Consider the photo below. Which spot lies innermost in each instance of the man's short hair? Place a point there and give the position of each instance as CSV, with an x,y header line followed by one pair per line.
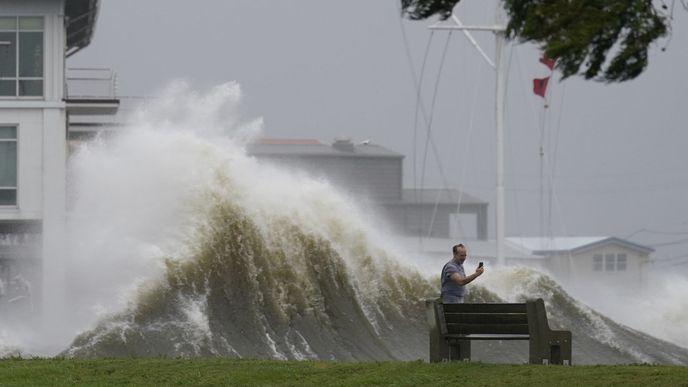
x,y
455,248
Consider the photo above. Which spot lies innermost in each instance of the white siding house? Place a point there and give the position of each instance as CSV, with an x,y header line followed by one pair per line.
x,y
598,260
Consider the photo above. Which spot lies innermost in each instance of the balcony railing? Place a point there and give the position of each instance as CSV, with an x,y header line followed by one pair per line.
x,y
91,91
87,83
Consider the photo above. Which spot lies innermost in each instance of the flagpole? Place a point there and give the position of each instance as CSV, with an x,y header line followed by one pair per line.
x,y
500,88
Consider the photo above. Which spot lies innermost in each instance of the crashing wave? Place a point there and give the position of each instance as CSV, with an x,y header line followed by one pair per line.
x,y
264,263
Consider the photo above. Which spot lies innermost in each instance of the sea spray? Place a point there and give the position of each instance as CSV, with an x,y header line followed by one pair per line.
x,y
262,302
182,245
162,192
597,338
657,306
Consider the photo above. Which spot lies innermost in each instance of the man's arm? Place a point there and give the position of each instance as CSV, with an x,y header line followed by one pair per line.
x,y
458,279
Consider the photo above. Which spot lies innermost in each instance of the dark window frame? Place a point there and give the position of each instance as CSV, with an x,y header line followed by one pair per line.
x,y
13,190
597,262
21,81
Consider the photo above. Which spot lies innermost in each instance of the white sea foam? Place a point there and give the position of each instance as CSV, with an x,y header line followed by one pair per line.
x,y
138,196
196,324
273,347
514,283
301,350
657,307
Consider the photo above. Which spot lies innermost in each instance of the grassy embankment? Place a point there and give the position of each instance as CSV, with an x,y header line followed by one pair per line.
x,y
185,372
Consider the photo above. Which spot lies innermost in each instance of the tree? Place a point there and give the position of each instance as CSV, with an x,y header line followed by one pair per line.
x,y
580,34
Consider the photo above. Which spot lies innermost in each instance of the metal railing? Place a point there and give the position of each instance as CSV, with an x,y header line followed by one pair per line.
x,y
90,83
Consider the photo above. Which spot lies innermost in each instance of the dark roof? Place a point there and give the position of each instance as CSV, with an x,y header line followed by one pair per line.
x,y
618,241
314,148
81,18
442,196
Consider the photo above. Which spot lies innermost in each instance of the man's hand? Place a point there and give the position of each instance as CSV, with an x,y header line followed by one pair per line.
x,y
457,279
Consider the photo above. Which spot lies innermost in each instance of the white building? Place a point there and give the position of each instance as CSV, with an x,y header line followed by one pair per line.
x,y
36,37
609,260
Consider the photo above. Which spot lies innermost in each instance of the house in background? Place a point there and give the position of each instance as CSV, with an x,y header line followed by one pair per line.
x,y
608,260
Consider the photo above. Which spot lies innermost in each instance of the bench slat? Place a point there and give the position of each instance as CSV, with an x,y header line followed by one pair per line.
x,y
486,318
484,308
499,329
487,337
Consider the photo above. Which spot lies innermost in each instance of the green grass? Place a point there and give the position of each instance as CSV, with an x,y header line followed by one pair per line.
x,y
219,372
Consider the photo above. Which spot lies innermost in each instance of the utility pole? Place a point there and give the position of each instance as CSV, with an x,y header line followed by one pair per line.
x,y
500,88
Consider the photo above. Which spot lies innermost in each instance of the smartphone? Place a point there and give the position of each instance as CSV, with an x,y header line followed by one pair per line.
x,y
480,265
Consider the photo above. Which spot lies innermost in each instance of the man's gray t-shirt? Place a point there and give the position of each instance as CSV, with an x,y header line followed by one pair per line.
x,y
448,287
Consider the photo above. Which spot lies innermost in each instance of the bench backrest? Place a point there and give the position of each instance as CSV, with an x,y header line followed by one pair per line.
x,y
491,319
454,326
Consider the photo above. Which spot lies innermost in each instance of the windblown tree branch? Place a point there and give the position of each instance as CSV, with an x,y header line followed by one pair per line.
x,y
606,40
423,9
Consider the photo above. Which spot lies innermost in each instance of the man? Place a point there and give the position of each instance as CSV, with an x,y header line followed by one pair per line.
x,y
454,279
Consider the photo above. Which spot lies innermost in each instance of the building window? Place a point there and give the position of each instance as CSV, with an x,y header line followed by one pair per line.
x,y
620,262
597,262
21,56
8,165
609,262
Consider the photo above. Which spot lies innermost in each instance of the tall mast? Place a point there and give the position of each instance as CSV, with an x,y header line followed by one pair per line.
x,y
500,89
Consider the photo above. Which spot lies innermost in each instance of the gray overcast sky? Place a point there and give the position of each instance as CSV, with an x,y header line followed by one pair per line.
x,y
321,69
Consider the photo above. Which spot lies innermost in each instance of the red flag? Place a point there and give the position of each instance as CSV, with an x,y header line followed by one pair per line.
x,y
540,86
549,62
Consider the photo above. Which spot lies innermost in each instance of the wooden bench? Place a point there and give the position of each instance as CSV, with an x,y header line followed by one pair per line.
x,y
453,326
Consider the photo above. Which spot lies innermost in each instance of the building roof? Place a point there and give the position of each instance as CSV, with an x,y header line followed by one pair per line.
x,y
81,18
315,148
288,141
442,196
539,245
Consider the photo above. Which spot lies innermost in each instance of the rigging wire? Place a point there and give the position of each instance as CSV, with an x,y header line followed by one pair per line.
x,y
541,127
551,163
418,83
424,115
549,166
670,259
670,243
546,144
509,133
536,124
429,125
464,164
650,231
554,153
553,195
682,262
